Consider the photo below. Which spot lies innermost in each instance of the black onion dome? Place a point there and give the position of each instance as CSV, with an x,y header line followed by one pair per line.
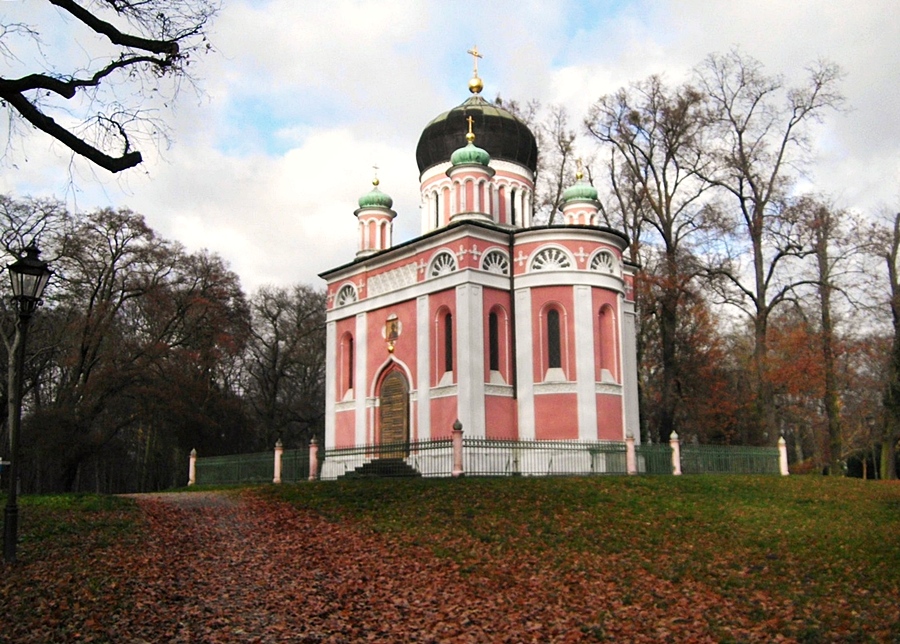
x,y
499,132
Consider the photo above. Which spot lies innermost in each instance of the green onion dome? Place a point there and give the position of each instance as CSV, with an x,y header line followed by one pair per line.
x,y
375,198
471,153
581,190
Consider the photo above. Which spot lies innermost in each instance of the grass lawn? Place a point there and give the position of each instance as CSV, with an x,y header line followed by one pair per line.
x,y
809,559
814,558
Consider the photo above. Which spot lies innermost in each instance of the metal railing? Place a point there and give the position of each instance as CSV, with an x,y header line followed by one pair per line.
x,y
728,459
295,465
654,458
238,468
416,458
487,457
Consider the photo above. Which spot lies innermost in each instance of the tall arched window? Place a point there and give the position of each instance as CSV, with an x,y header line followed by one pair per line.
x,y
493,342
554,352
607,357
437,211
512,206
448,342
347,365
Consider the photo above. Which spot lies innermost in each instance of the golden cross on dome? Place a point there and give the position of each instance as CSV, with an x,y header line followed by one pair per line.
x,y
579,174
475,57
375,181
470,137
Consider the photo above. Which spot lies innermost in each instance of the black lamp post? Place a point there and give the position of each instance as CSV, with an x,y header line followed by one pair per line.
x,y
29,276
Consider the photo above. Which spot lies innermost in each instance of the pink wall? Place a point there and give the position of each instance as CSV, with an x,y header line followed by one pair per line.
x,y
555,417
344,428
404,347
443,415
609,417
501,418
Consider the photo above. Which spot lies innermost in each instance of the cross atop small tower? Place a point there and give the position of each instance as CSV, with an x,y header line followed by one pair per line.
x,y
470,137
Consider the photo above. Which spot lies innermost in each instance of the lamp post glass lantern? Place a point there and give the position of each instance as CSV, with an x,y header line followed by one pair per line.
x,y
29,276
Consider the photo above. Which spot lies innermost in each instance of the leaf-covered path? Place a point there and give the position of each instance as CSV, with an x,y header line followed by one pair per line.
x,y
702,560
221,569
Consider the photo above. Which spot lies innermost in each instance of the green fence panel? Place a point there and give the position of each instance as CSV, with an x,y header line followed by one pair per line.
x,y
238,468
653,458
729,459
295,465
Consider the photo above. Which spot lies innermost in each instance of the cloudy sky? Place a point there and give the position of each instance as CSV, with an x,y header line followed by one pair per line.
x,y
302,97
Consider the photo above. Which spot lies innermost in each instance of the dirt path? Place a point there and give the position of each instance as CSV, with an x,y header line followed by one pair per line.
x,y
218,569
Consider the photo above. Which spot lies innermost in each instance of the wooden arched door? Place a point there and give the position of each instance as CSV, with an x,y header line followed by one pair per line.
x,y
394,415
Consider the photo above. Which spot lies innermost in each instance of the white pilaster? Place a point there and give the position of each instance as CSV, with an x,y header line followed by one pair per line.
x,y
628,333
423,367
525,364
330,384
361,384
470,358
584,364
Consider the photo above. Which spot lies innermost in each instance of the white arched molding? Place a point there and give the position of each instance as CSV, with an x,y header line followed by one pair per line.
x,y
443,263
552,258
346,295
495,261
603,261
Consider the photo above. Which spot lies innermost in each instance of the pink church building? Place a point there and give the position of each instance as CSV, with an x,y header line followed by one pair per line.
x,y
520,332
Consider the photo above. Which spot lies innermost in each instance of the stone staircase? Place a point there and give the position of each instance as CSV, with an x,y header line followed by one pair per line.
x,y
383,468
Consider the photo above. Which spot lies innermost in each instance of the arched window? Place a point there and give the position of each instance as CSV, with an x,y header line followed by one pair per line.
x,y
493,342
437,211
554,351
347,365
512,206
448,342
607,357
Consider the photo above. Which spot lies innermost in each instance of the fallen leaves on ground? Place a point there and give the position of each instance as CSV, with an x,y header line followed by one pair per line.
x,y
223,567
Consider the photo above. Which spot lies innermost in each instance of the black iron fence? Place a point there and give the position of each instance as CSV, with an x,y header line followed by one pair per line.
x,y
487,457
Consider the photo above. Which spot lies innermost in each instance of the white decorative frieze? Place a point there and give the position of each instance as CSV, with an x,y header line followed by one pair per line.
x,y
393,279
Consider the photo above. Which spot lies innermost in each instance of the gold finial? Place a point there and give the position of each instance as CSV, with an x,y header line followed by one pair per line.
x,y
375,180
470,137
579,174
475,85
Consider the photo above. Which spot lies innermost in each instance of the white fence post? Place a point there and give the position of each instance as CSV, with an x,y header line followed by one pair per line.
x,y
279,450
676,454
630,455
313,459
457,449
192,468
782,457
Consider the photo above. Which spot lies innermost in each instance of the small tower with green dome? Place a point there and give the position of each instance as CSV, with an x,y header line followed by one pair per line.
x,y
580,205
376,227
470,173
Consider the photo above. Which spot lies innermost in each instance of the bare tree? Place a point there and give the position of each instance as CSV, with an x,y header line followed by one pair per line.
x,y
889,250
656,159
286,363
759,139
98,107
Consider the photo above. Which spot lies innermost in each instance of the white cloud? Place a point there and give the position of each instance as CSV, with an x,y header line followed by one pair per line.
x,y
303,98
